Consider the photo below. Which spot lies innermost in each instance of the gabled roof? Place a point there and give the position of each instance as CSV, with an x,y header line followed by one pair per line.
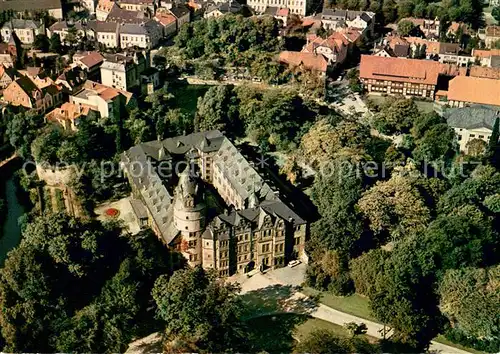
x,y
92,59
474,90
126,16
402,70
21,24
165,19
146,28
481,71
471,117
485,53
179,10
309,61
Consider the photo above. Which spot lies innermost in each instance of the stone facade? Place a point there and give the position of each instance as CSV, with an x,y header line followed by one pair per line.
x,y
208,202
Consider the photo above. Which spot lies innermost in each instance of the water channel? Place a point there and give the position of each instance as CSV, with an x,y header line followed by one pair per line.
x,y
10,231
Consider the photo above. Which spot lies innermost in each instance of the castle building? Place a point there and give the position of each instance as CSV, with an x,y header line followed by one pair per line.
x,y
202,197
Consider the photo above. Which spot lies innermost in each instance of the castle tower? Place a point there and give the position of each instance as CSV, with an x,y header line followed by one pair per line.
x,y
189,217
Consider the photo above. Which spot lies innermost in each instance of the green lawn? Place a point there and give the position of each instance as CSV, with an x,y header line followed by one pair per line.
x,y
186,96
441,339
355,304
424,106
278,333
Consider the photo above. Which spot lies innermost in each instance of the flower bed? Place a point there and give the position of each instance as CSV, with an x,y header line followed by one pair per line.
x,y
112,212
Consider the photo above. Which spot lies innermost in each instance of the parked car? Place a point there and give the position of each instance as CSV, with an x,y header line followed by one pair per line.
x,y
294,263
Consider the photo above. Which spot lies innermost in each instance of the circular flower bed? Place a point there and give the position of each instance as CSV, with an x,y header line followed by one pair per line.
x,y
112,212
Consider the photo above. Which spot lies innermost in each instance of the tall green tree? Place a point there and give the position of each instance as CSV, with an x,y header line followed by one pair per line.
x,y
200,309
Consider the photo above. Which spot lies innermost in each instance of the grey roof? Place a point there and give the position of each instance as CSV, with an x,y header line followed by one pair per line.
x,y
241,175
179,10
142,165
471,117
121,15
495,61
30,5
146,28
139,208
108,26
21,24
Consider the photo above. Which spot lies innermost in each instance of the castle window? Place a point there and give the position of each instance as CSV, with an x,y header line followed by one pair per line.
x,y
187,217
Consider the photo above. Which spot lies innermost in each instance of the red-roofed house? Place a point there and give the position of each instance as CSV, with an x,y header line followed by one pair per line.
x,y
467,90
408,77
24,92
68,115
168,22
90,62
333,48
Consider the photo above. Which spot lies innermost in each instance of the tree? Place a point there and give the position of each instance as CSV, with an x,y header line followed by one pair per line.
x,y
476,147
198,308
42,43
396,115
395,207
469,297
495,12
324,142
218,110
22,130
77,285
462,238
405,27
322,341
364,270
336,195
404,297
55,43
325,341
46,146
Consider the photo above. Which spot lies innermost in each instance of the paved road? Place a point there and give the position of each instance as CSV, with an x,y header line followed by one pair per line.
x,y
287,276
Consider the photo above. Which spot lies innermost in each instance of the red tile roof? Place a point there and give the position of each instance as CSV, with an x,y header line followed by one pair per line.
x,y
482,53
474,90
282,12
309,61
403,70
92,59
481,71
165,19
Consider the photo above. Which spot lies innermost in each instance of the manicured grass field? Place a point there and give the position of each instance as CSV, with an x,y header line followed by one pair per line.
x,y
355,304
278,333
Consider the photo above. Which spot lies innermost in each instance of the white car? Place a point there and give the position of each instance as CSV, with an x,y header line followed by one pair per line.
x,y
294,263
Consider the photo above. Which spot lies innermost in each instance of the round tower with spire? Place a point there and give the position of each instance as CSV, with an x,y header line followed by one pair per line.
x,y
189,216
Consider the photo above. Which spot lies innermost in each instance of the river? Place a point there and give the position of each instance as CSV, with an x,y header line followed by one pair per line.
x,y
10,232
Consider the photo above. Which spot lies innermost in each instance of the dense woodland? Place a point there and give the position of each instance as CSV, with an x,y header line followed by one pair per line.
x,y
419,237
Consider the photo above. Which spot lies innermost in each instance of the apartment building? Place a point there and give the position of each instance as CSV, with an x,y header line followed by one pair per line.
x,y
25,92
123,71
145,35
103,8
26,30
430,28
138,5
107,34
261,231
492,35
297,7
108,101
335,19
31,7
